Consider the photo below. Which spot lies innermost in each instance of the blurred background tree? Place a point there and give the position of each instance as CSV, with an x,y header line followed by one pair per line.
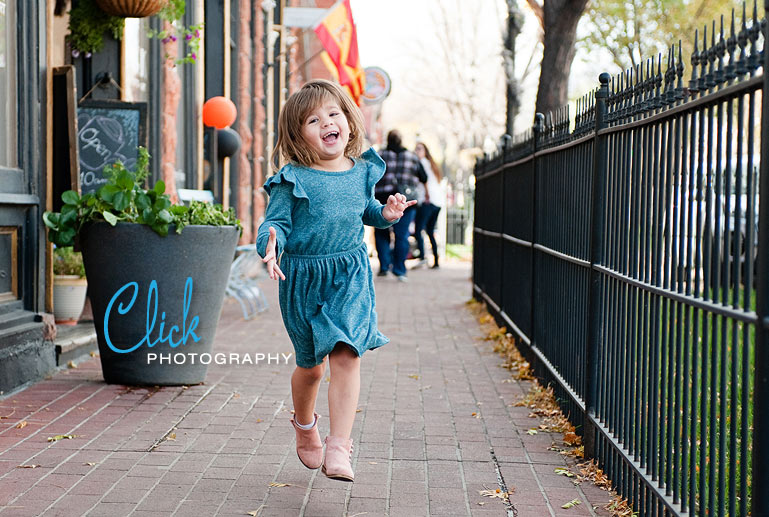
x,y
559,20
635,30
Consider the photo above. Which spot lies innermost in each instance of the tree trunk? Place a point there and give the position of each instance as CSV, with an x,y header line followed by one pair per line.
x,y
560,19
514,23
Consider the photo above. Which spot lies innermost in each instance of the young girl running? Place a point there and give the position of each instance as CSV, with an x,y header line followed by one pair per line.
x,y
312,240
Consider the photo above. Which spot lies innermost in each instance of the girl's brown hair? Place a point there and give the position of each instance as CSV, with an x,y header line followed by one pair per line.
x,y
291,146
433,165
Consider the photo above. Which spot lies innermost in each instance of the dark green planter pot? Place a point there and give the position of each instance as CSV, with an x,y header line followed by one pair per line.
x,y
161,297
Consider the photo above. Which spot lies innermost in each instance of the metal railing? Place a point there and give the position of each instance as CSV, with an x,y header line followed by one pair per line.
x,y
629,253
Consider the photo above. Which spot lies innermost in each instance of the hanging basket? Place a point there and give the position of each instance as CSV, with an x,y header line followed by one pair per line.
x,y
131,8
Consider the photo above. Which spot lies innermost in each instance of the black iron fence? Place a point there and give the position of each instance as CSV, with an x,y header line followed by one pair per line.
x,y
457,220
459,212
629,252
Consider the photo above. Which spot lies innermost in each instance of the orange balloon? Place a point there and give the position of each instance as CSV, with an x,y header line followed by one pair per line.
x,y
219,112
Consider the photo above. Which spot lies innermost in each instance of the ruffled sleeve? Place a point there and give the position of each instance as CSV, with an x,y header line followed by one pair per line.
x,y
372,215
287,175
376,168
277,216
284,188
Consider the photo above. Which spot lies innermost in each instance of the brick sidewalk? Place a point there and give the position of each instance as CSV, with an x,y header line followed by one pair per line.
x,y
214,449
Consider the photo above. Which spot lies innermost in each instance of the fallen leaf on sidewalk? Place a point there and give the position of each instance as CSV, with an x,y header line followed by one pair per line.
x,y
576,452
278,484
90,463
71,364
93,354
531,432
172,436
619,507
21,425
494,493
564,472
497,334
571,438
589,471
254,513
27,466
61,437
571,504
414,376
373,463
258,420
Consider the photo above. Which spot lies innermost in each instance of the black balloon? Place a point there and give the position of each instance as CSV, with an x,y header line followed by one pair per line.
x,y
227,142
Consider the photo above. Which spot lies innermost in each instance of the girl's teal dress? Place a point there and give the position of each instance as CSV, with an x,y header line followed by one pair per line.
x,y
328,294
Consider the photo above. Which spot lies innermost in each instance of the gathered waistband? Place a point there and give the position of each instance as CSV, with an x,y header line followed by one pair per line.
x,y
351,251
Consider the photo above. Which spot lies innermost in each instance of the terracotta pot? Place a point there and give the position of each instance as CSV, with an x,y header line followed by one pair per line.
x,y
131,8
68,298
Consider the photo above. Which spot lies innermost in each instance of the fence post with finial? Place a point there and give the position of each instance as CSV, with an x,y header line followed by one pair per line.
x,y
539,131
595,301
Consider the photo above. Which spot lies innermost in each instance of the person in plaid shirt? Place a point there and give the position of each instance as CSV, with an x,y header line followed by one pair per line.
x,y
402,174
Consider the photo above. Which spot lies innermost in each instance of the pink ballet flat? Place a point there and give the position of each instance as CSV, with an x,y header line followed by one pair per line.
x,y
309,448
336,463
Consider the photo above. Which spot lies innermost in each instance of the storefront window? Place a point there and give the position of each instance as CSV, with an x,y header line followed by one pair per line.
x,y
8,83
136,61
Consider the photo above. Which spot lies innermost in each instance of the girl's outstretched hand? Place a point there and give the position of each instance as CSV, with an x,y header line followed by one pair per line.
x,y
395,206
269,257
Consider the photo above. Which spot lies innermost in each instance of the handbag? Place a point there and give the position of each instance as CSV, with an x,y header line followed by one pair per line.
x,y
408,190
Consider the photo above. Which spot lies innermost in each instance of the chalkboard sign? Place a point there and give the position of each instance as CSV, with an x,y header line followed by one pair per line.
x,y
108,131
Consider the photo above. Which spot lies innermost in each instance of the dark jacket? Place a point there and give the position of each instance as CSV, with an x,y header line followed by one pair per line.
x,y
402,168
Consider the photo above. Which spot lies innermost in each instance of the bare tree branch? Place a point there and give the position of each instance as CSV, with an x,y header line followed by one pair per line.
x,y
538,11
530,66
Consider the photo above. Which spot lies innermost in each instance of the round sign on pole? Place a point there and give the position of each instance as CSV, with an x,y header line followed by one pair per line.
x,y
377,85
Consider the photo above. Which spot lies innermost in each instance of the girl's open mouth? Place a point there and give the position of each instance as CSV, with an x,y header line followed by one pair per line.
x,y
331,137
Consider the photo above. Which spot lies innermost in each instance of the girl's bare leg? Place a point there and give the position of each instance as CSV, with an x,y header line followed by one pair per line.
x,y
343,390
304,390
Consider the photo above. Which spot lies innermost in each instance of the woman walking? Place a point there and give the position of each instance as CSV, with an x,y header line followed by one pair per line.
x,y
427,212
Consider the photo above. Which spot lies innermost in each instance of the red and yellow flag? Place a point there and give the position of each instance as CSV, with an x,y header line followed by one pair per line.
x,y
338,35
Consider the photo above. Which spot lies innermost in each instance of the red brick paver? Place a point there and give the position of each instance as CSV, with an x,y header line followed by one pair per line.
x,y
216,448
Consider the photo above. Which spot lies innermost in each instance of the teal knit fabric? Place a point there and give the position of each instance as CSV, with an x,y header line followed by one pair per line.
x,y
328,294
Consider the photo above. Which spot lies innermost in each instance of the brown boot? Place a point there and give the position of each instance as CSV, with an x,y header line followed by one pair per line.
x,y
336,463
309,448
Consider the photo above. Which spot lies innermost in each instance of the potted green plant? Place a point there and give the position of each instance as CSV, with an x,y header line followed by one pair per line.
x,y
69,285
90,20
87,26
157,274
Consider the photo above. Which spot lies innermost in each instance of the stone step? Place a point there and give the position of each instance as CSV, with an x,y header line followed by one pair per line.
x,y
75,342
